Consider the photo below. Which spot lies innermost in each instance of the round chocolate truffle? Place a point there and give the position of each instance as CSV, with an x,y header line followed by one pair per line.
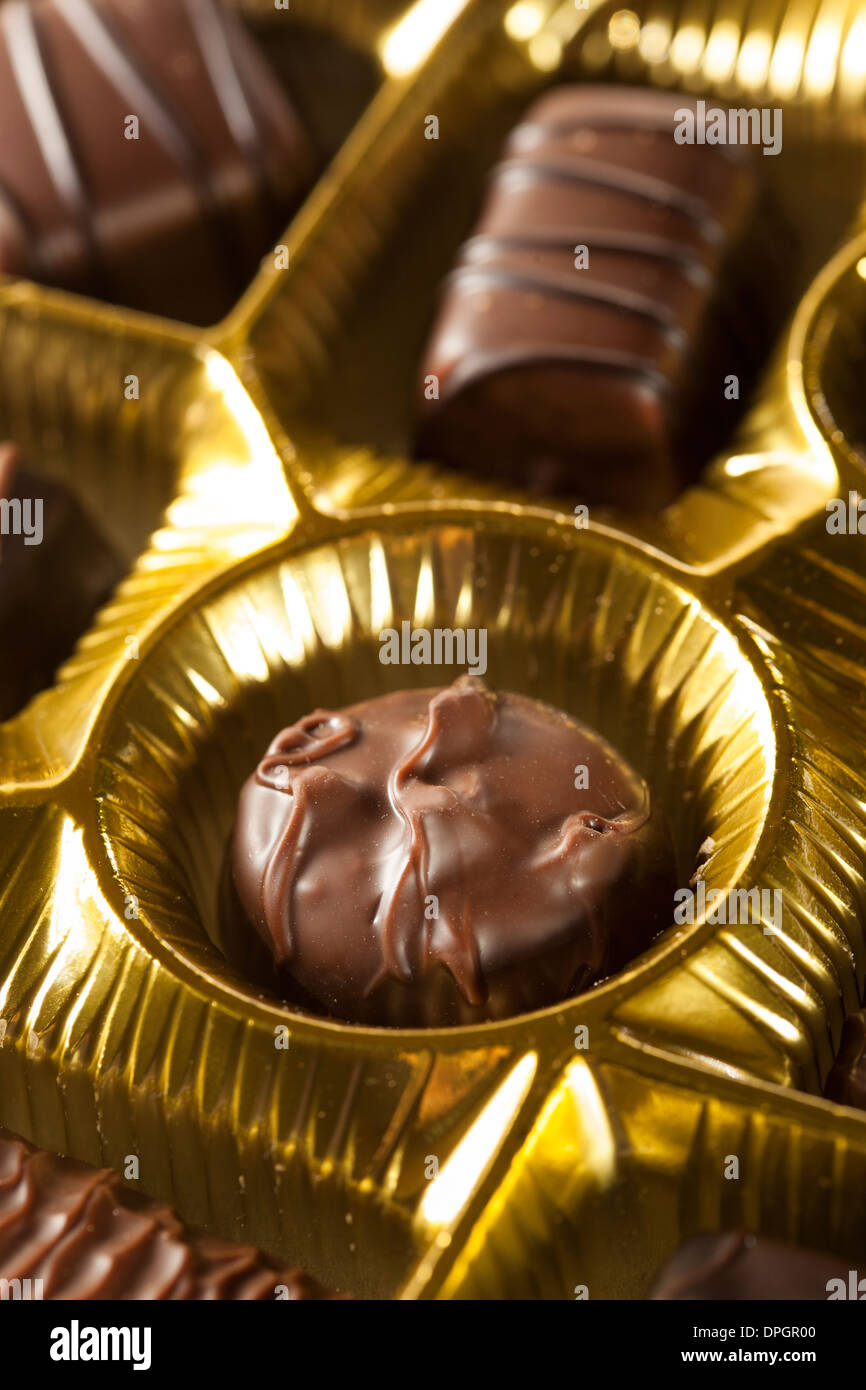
x,y
437,857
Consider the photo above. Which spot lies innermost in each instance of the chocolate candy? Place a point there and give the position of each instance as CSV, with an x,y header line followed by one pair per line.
x,y
437,857
585,336
56,570
86,1236
735,1265
8,467
846,1082
149,155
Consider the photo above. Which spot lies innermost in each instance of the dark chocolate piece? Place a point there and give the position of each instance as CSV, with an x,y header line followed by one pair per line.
x,y
8,469
606,381
174,220
846,1083
56,571
737,1266
86,1236
425,858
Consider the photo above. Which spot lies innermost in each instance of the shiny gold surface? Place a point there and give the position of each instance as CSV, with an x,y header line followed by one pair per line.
x,y
274,526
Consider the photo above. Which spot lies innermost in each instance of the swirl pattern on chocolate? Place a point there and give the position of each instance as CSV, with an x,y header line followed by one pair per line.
x,y
427,857
87,1236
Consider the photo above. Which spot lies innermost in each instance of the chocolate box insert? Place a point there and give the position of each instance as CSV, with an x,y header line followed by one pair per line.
x,y
733,685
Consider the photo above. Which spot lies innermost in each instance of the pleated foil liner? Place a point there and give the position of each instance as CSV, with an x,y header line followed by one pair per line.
x,y
274,527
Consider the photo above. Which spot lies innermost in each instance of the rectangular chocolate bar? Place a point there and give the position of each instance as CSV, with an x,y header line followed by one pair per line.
x,y
588,330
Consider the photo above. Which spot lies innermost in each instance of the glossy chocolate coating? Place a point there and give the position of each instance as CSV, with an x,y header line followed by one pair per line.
x,y
87,1236
176,220
846,1083
50,591
737,1266
8,469
424,858
606,382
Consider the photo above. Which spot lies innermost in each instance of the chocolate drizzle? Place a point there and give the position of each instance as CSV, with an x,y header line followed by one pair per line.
x,y
87,1236
644,187
314,736
209,21
470,277
426,857
459,725
563,239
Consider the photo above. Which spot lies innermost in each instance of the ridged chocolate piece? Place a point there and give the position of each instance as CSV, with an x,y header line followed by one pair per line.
x,y
426,857
846,1083
50,590
175,220
736,1266
87,1236
607,381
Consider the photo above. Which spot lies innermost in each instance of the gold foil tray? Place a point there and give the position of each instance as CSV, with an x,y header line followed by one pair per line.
x,y
274,526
